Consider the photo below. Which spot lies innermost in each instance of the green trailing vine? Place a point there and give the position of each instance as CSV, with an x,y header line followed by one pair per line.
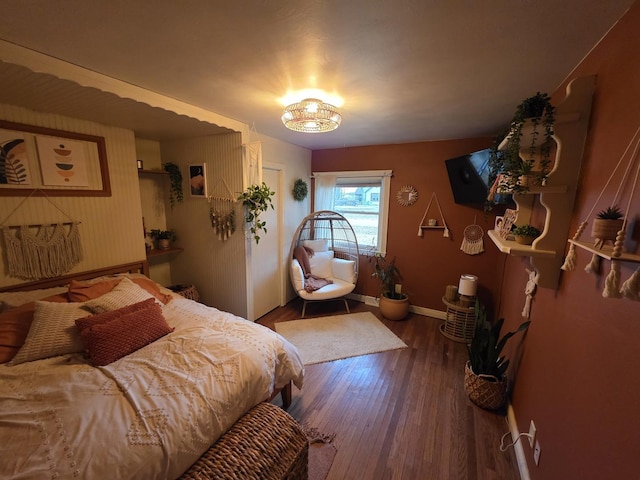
x,y
300,190
256,199
175,177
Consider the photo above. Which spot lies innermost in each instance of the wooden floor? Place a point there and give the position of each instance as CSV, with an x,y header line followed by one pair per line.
x,y
401,414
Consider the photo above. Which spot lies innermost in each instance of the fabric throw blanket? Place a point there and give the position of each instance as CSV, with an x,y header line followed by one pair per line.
x,y
311,281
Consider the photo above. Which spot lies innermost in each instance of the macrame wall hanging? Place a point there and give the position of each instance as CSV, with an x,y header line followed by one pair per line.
x,y
49,251
433,222
472,243
221,211
631,287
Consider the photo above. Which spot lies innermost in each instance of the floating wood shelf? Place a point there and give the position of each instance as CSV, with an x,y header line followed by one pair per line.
x,y
512,247
606,252
152,172
434,227
156,252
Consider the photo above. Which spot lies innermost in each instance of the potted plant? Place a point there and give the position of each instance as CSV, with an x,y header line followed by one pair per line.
x,y
394,305
256,199
175,180
163,237
538,115
525,234
485,378
606,225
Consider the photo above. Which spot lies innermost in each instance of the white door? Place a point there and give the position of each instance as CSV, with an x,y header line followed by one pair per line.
x,y
266,255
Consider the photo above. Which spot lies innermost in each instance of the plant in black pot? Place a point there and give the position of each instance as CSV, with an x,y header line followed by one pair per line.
x,y
485,378
525,234
394,305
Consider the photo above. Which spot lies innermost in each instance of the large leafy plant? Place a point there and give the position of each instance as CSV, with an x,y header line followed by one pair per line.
x,y
256,199
388,275
486,346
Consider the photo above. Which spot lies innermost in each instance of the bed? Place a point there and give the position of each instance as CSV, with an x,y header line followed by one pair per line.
x,y
97,411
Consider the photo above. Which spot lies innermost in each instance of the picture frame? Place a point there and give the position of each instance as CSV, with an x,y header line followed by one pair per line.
x,y
508,220
198,180
45,161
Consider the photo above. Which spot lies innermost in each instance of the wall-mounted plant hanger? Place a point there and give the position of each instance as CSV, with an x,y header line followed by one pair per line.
x,y
432,223
630,288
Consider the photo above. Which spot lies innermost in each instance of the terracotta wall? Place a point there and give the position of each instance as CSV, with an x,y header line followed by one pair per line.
x,y
578,377
429,263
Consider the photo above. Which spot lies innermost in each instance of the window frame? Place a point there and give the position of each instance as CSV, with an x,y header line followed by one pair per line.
x,y
352,176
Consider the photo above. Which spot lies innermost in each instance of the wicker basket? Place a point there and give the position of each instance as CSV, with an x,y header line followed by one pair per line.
x,y
187,291
266,443
484,390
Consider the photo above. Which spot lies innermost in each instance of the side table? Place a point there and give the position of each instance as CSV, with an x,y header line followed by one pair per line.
x,y
460,322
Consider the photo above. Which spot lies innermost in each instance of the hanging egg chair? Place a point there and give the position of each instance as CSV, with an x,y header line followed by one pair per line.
x,y
324,258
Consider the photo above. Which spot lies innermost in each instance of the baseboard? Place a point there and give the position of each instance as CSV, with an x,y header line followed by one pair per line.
x,y
373,301
523,467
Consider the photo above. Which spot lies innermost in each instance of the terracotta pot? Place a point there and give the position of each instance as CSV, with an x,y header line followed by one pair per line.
x,y
524,240
164,243
606,229
484,390
394,309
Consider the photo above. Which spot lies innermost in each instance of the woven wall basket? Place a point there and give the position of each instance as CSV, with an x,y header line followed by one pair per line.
x,y
485,393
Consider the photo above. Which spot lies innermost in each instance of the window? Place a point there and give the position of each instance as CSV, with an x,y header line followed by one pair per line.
x,y
362,197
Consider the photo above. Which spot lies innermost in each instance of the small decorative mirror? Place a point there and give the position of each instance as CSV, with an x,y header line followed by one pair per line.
x,y
407,196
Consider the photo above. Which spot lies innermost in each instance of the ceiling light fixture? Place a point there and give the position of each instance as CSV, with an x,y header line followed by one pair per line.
x,y
311,116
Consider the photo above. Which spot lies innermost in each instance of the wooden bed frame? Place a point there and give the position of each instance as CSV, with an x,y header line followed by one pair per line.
x,y
141,266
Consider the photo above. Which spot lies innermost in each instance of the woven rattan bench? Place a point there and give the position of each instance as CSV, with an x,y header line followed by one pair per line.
x,y
266,443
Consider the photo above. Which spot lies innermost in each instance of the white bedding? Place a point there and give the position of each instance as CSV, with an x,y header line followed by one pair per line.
x,y
149,415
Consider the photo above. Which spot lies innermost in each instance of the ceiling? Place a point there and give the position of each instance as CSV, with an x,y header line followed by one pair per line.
x,y
407,70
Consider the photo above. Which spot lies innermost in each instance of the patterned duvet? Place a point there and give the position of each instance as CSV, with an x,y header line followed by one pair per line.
x,y
149,415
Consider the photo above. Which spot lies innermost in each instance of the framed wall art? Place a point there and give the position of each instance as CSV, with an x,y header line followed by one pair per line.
x,y
45,161
198,180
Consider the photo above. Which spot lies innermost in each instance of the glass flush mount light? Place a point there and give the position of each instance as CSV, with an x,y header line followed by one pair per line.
x,y
311,116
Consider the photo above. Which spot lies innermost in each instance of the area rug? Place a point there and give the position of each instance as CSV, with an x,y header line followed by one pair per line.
x,y
323,339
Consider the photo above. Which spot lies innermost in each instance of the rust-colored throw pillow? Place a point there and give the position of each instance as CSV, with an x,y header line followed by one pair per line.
x,y
15,325
109,341
83,291
106,317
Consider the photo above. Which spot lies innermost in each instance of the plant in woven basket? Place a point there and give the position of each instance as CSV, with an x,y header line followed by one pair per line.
x,y
606,225
485,381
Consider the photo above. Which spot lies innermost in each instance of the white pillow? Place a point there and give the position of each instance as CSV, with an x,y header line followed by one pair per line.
x,y
296,275
321,245
320,264
124,294
10,300
53,332
344,269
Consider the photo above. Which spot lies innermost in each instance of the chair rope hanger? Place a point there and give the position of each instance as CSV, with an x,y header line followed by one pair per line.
x,y
631,287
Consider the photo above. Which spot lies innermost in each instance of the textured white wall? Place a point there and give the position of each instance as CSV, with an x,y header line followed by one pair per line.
x,y
111,228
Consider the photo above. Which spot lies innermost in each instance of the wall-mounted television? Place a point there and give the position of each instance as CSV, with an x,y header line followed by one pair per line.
x,y
469,179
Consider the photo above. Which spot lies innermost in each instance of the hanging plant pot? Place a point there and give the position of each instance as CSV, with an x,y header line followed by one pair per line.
x,y
606,229
486,391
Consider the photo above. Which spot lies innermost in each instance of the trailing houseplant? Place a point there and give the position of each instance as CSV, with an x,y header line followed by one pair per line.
x,y
175,179
256,199
394,305
485,378
525,234
538,112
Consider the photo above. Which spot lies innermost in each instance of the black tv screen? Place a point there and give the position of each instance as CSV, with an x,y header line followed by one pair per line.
x,y
469,178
